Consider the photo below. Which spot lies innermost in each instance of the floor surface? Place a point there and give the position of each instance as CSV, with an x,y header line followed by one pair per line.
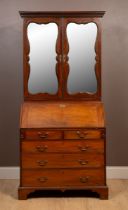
x,y
118,199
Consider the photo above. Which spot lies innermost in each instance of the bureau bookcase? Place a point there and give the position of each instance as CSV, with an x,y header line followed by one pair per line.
x,y
62,124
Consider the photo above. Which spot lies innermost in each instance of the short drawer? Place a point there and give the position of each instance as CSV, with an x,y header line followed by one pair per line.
x,y
42,134
62,161
63,146
62,178
84,134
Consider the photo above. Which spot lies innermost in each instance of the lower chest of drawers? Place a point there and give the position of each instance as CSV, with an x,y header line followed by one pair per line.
x,y
77,160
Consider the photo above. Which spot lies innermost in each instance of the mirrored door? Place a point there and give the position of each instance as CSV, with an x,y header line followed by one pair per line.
x,y
42,52
62,58
82,39
42,58
81,58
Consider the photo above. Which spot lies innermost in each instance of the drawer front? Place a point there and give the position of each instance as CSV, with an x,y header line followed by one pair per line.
x,y
62,178
83,134
62,161
84,177
78,146
42,135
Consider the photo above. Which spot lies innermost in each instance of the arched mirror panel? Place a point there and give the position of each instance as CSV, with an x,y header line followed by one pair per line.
x,y
42,58
81,40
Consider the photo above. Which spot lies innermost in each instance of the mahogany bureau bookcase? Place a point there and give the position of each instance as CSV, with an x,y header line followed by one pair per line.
x,y
62,125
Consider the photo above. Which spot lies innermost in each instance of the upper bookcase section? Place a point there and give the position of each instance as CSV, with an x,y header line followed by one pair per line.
x,y
62,55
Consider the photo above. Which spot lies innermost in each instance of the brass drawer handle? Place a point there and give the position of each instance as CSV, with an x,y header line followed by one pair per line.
x,y
42,162
83,149
83,162
84,179
42,179
82,135
43,136
41,148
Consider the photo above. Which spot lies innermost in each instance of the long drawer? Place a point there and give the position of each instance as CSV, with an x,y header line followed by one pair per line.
x,y
63,146
62,161
62,177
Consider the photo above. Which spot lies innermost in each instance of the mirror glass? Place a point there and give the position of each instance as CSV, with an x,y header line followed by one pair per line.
x,y
42,58
82,39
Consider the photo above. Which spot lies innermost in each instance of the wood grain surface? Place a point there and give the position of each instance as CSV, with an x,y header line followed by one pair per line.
x,y
62,115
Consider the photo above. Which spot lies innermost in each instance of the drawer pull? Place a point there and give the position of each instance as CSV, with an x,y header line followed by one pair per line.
x,y
83,149
83,162
84,179
41,148
82,135
42,179
42,162
43,136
